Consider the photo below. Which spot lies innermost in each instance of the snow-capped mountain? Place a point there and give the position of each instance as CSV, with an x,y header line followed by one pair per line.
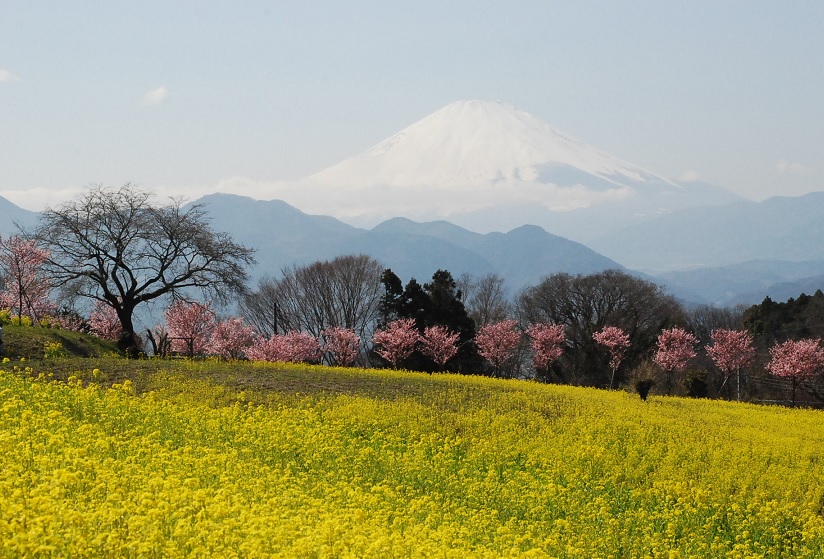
x,y
489,167
473,143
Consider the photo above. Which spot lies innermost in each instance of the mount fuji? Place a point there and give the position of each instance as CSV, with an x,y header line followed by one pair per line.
x,y
488,166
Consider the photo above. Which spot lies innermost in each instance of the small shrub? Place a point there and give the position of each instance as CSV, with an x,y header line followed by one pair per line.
x,y
52,350
643,378
643,386
49,322
20,321
695,382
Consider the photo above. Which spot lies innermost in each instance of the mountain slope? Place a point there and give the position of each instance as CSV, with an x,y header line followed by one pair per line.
x,y
13,216
780,228
284,236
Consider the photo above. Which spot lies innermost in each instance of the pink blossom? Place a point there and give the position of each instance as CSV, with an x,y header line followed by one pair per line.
x,y
796,360
498,341
439,344
265,349
676,347
190,327
616,341
546,341
342,345
397,341
104,322
230,338
799,360
26,287
731,350
292,347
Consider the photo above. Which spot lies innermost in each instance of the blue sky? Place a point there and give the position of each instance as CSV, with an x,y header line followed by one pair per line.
x,y
179,96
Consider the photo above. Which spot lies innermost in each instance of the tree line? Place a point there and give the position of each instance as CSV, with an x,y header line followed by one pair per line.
x,y
119,249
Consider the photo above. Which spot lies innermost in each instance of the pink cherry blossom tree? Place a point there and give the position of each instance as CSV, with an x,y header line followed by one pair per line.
x,y
397,341
676,347
230,338
341,345
292,347
439,344
301,347
266,349
190,327
617,342
21,266
796,360
104,322
497,342
547,343
731,350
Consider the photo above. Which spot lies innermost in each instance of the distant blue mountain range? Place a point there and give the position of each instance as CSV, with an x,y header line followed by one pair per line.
x,y
722,255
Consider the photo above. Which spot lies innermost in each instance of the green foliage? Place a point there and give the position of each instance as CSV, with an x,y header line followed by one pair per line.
x,y
771,322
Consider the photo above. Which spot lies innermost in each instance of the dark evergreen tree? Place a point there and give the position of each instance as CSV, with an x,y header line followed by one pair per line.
x,y
447,309
389,307
416,304
772,322
433,304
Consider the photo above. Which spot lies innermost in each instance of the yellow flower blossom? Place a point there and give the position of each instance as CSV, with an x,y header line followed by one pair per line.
x,y
451,467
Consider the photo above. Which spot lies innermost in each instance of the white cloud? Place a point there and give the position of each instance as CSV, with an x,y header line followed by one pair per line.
x,y
7,77
156,96
690,176
784,166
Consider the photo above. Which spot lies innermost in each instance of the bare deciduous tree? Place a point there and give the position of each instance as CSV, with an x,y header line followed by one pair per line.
x,y
343,292
585,304
703,319
486,299
118,247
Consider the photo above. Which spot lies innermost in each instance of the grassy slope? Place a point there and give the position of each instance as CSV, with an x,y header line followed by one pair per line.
x,y
28,342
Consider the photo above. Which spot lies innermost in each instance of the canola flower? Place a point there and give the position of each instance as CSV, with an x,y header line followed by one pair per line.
x,y
457,467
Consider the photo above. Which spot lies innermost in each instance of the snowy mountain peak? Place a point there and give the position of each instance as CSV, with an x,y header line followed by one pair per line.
x,y
482,142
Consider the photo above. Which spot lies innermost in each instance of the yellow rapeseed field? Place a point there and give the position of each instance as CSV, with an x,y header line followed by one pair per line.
x,y
445,466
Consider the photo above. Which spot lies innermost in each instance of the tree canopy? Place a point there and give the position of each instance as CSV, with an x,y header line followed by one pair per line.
x,y
117,246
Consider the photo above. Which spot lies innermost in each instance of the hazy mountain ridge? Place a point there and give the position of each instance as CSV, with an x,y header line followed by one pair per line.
x,y
779,228
12,216
284,236
522,256
747,282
